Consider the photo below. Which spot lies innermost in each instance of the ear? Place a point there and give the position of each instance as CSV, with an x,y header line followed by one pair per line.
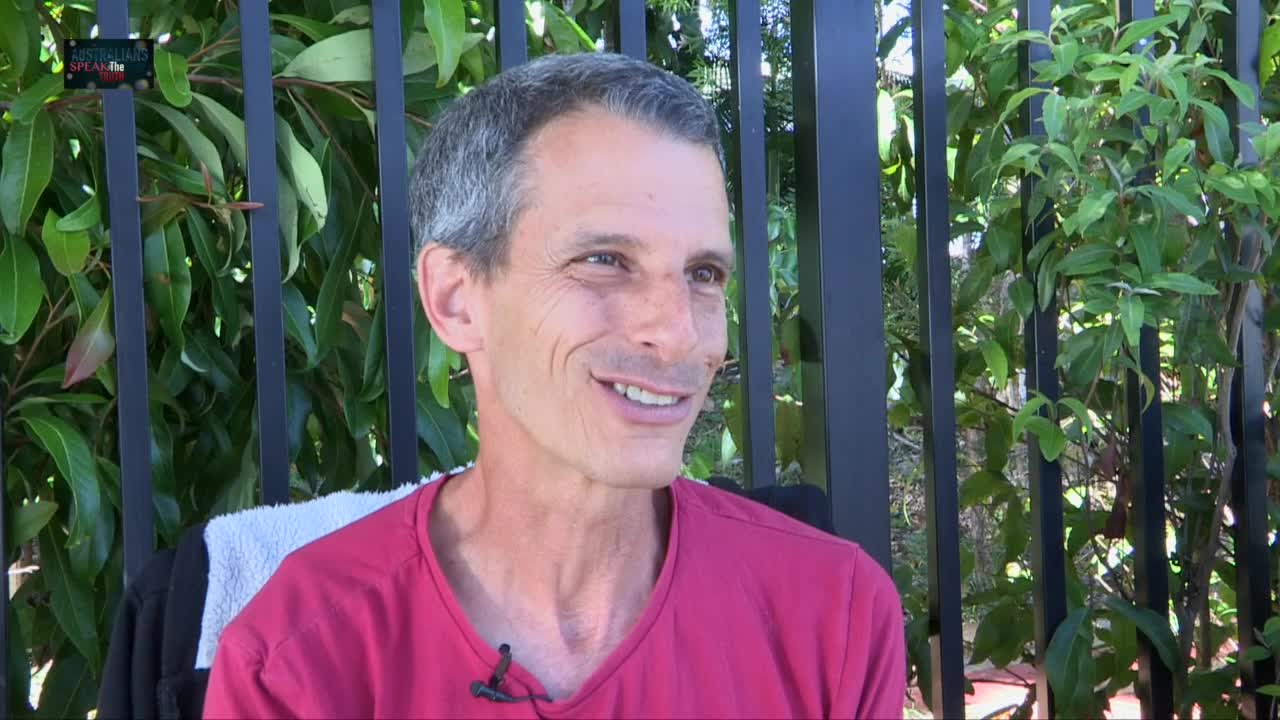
x,y
450,298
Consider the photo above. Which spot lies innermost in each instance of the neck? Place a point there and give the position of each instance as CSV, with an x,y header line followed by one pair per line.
x,y
550,550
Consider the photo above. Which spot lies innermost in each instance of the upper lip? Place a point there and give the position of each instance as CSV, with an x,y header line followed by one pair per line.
x,y
649,387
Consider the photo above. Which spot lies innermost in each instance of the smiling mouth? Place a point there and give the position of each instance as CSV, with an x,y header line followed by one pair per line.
x,y
641,396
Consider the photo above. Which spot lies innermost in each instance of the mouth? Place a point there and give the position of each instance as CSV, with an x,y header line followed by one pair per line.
x,y
646,406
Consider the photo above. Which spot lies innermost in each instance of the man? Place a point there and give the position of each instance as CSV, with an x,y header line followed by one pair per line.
x,y
573,238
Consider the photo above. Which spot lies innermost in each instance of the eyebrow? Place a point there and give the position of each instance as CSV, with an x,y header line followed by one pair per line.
x,y
585,241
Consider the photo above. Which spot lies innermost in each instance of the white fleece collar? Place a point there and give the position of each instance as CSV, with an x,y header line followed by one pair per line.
x,y
245,548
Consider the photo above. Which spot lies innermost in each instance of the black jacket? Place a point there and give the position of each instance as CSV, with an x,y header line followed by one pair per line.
x,y
150,669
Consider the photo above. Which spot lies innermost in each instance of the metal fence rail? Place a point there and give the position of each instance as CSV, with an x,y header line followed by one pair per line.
x,y
842,320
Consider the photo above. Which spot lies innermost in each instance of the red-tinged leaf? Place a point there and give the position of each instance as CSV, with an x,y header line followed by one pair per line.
x,y
93,345
208,180
241,205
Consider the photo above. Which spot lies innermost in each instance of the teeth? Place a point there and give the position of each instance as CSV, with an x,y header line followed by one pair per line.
x,y
644,397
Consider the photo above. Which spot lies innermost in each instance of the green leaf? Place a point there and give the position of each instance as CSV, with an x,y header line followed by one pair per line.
x,y
333,290
32,100
1180,418
997,441
446,21
69,689
1270,48
303,169
348,57
1052,440
1022,297
314,29
1027,412
1243,92
227,123
1055,115
93,345
1181,283
26,165
1016,101
297,322
886,123
171,76
202,148
21,289
82,218
287,207
70,453
997,363
1139,29
1256,653
1217,131
1070,640
1092,208
438,370
1147,246
982,487
442,431
1152,625
15,38
203,239
1176,158
1087,259
71,598
1270,689
67,250
1079,410
1131,316
29,519
1178,202
168,279
563,30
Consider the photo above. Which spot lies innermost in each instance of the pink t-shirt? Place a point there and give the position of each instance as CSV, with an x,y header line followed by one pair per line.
x,y
754,614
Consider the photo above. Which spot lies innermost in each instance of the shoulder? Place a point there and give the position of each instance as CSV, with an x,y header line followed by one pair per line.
x,y
321,582
728,530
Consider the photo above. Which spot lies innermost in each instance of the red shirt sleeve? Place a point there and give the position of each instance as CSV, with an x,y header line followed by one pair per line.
x,y
874,680
237,688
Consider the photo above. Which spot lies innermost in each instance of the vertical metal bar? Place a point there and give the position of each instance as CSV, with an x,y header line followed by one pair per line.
x,y
838,236
1249,505
397,291
1146,459
513,39
751,205
133,414
264,231
1146,453
4,582
1048,560
632,33
933,271
1249,481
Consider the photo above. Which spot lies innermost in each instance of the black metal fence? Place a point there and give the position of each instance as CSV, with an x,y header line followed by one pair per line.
x,y
838,198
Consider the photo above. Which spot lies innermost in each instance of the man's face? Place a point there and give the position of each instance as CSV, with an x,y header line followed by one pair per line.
x,y
602,336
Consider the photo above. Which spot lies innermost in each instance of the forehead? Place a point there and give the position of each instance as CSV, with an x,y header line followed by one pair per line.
x,y
596,170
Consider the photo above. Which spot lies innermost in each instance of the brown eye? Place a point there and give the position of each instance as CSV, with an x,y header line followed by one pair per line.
x,y
707,274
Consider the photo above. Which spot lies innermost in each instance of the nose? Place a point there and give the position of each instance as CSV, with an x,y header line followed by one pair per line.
x,y
663,319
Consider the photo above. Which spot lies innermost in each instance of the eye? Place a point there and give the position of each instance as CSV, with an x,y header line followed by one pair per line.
x,y
606,259
708,274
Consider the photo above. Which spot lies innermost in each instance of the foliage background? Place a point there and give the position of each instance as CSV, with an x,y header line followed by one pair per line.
x,y
1133,248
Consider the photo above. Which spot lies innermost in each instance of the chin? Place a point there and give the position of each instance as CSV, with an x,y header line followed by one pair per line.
x,y
639,472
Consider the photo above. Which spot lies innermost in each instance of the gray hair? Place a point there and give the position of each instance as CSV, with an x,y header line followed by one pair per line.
x,y
467,187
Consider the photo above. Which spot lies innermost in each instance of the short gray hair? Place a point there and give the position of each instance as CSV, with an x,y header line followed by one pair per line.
x,y
467,189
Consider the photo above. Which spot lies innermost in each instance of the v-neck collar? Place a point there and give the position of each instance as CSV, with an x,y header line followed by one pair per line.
x,y
489,656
